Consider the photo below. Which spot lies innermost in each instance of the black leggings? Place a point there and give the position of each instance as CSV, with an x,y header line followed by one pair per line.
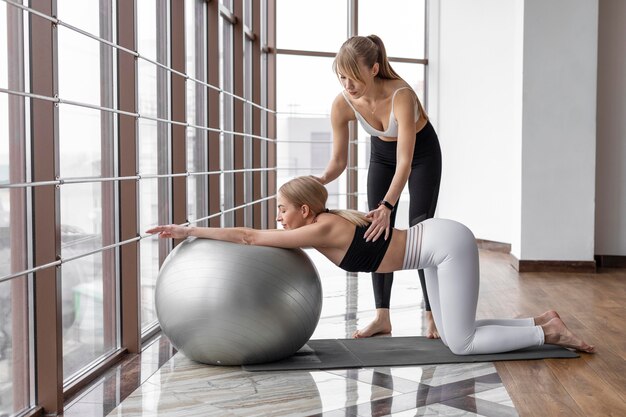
x,y
423,190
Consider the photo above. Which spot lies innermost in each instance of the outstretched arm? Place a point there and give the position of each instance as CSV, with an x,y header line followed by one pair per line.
x,y
174,231
306,236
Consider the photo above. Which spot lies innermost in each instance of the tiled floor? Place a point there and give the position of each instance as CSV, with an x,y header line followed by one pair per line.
x,y
160,382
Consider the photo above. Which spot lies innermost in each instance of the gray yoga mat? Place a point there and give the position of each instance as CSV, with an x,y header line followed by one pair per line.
x,y
392,351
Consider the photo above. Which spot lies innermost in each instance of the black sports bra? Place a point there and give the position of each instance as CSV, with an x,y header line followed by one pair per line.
x,y
364,256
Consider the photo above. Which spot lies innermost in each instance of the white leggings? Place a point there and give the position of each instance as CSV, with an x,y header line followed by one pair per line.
x,y
446,250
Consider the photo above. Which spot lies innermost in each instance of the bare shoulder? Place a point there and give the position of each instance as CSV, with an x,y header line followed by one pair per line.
x,y
325,223
341,110
334,228
405,95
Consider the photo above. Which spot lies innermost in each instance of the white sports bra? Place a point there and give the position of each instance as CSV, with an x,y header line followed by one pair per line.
x,y
392,128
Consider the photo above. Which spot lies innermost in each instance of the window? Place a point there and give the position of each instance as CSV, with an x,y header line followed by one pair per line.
x,y
15,288
86,137
112,146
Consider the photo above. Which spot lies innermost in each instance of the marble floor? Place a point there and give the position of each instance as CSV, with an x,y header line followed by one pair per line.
x,y
162,382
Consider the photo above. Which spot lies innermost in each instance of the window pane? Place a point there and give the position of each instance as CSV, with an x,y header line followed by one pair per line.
x,y
319,25
84,14
402,33
153,146
86,136
79,67
305,84
149,249
80,141
14,346
4,53
303,122
195,32
227,156
146,29
15,328
88,283
148,217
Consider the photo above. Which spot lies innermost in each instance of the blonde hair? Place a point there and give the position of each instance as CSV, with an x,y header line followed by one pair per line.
x,y
367,50
309,191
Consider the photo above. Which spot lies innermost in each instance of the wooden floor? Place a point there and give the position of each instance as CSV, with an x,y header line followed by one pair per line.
x,y
592,305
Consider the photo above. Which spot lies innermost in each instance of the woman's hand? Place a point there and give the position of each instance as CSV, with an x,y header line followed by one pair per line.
x,y
173,231
381,221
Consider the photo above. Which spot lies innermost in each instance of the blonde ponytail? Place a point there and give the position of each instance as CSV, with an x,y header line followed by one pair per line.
x,y
309,191
353,216
367,50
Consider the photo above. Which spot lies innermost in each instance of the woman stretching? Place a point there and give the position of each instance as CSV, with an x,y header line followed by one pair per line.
x,y
444,249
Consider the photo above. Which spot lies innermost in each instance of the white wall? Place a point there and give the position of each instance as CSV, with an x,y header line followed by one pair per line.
x,y
474,83
610,221
514,86
558,130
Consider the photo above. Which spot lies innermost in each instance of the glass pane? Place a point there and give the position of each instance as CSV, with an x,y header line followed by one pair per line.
x,y
80,142
402,33
88,283
15,328
304,120
197,199
227,185
305,84
4,53
4,139
148,216
81,218
84,14
79,67
153,147
146,29
319,25
87,307
147,88
14,346
149,249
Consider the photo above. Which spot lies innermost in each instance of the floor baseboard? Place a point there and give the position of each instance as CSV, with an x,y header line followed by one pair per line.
x,y
493,246
610,261
580,267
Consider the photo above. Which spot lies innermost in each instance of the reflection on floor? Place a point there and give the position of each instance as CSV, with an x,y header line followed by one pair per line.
x,y
161,382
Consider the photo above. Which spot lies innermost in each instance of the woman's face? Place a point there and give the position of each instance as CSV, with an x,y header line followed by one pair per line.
x,y
356,88
289,216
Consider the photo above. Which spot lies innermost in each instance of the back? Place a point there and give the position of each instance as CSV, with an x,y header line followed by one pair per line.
x,y
343,233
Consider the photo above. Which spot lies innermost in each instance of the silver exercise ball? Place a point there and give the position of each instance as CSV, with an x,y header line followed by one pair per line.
x,y
223,303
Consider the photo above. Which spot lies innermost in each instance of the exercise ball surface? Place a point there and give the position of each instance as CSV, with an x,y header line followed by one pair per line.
x,y
223,303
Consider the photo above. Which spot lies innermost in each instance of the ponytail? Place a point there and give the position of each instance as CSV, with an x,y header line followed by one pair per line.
x,y
353,216
308,190
361,49
385,71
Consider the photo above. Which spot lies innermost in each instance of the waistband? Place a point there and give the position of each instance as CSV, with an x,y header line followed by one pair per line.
x,y
413,247
426,144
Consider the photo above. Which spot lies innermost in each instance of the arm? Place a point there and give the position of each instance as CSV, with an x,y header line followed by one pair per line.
x,y
315,234
340,116
404,110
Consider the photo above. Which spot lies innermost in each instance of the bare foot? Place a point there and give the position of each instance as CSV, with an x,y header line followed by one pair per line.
x,y
380,325
556,333
546,317
431,327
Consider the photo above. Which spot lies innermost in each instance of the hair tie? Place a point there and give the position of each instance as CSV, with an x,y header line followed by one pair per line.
x,y
327,210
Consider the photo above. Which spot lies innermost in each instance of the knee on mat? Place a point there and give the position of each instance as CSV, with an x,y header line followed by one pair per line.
x,y
459,347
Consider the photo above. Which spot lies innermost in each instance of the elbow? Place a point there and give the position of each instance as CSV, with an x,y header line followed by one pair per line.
x,y
247,237
341,164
